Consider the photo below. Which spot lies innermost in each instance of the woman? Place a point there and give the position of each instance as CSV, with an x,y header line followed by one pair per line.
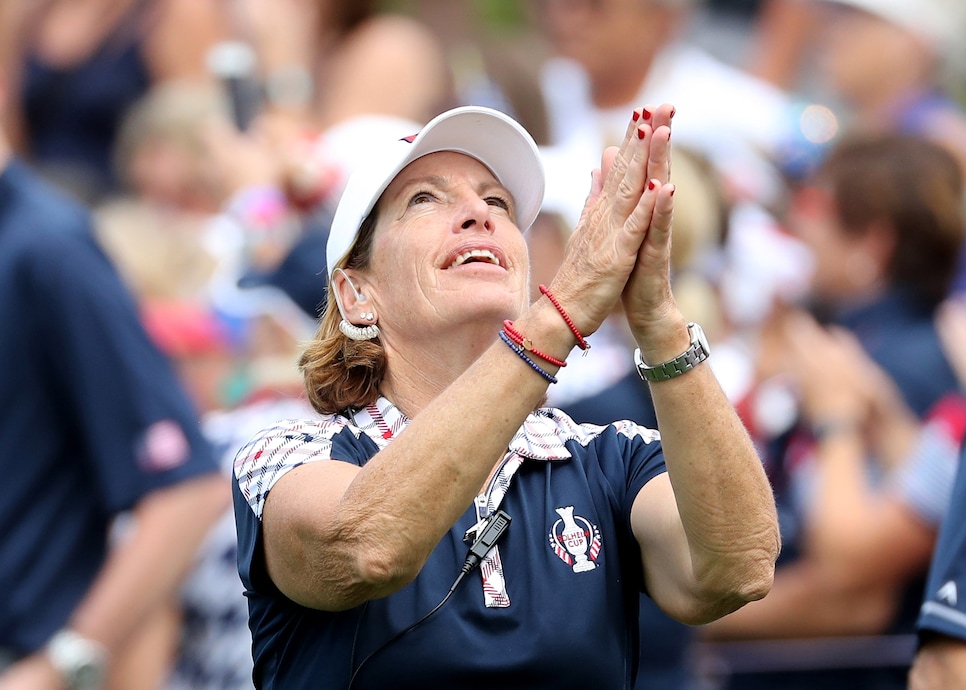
x,y
351,527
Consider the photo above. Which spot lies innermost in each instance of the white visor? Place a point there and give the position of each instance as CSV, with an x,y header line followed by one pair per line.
x,y
487,135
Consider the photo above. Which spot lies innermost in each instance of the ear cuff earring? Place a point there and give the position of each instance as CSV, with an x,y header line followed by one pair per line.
x,y
353,332
349,329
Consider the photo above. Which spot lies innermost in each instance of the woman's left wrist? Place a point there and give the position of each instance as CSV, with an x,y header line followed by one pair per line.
x,y
662,341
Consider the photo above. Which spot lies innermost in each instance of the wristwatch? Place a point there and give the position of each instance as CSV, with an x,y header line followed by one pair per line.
x,y
80,662
682,364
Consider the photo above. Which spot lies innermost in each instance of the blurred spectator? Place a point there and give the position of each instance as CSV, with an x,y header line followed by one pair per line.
x,y
768,38
162,153
897,66
941,659
614,55
329,60
318,65
74,68
212,644
884,220
95,425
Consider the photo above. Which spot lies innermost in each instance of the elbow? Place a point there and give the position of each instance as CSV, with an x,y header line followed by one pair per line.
x,y
378,565
757,583
380,572
749,578
339,576
758,572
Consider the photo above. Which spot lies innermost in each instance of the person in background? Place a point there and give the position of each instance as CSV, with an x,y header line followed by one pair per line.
x,y
940,661
95,425
611,54
895,66
211,641
861,490
321,71
351,528
324,61
73,69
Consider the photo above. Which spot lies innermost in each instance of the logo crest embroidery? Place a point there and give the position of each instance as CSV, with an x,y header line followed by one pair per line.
x,y
575,540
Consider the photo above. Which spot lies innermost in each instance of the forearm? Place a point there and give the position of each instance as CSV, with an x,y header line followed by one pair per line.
x,y
804,602
843,500
723,496
446,453
146,567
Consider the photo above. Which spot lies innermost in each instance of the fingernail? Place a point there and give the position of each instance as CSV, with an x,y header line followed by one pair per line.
x,y
636,116
651,184
647,113
673,189
640,133
673,110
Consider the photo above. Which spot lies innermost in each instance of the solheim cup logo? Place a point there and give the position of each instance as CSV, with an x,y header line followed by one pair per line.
x,y
575,540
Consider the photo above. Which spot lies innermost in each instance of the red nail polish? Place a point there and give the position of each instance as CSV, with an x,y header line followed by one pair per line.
x,y
651,184
636,116
673,189
647,114
640,133
673,110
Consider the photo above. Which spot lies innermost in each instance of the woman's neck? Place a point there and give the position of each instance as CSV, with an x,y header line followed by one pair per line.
x,y
419,370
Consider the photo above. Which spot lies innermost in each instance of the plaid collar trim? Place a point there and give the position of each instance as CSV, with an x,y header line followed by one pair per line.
x,y
541,437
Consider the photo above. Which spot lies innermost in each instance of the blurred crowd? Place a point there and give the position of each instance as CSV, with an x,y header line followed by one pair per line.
x,y
820,153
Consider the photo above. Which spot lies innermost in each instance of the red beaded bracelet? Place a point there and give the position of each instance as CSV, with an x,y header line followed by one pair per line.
x,y
527,344
581,342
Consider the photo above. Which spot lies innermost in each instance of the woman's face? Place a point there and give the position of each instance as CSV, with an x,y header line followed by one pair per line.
x,y
447,250
840,266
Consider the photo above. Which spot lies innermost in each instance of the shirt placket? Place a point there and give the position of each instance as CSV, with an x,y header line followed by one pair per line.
x,y
491,567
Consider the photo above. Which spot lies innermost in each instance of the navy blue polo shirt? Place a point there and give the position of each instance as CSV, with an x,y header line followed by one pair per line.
x,y
944,605
559,604
92,417
899,332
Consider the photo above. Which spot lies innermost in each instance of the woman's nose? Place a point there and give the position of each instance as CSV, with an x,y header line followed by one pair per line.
x,y
475,214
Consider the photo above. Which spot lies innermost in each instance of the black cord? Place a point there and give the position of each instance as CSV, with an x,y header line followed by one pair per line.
x,y
491,532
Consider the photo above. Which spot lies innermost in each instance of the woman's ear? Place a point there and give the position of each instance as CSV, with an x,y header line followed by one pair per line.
x,y
348,296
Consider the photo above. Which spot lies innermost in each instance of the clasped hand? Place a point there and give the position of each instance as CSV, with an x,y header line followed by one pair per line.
x,y
621,247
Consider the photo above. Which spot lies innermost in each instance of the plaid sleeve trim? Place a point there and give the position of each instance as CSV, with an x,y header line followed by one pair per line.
x,y
278,449
545,432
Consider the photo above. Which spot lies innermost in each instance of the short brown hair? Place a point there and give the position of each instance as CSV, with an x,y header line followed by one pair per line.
x,y
341,373
916,187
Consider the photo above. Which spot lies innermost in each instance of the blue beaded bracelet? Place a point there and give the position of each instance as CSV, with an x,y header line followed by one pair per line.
x,y
523,355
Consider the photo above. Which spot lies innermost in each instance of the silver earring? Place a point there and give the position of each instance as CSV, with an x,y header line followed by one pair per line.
x,y
353,332
367,316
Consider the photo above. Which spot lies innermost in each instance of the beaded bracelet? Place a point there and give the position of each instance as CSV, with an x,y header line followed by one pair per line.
x,y
581,342
523,355
527,345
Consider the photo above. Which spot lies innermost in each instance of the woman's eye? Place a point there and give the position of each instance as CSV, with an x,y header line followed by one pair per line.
x,y
499,202
421,198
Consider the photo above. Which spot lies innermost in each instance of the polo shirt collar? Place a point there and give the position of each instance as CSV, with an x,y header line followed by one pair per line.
x,y
537,439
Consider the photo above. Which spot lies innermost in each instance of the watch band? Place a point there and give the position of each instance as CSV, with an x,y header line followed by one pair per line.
x,y
697,352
